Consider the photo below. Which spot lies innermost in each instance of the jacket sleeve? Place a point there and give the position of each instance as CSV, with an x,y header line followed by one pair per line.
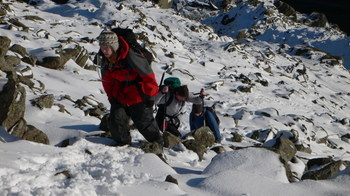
x,y
144,69
194,99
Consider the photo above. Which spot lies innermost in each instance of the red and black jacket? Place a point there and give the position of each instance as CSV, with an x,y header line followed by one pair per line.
x,y
130,79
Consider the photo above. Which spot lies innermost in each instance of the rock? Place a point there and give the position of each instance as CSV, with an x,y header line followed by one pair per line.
x,y
236,137
170,140
242,34
4,44
154,148
326,172
17,23
171,179
196,147
318,162
245,89
19,50
227,20
12,60
285,148
29,132
26,81
35,135
44,101
319,20
19,128
285,8
30,60
332,60
164,4
96,112
204,136
66,173
52,62
218,149
261,135
12,99
3,11
34,18
302,148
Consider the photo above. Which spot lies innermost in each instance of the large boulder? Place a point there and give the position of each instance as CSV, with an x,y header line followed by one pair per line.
x,y
285,148
78,54
4,44
285,8
19,50
12,61
29,132
196,147
204,136
35,135
12,99
326,171
319,20
164,4
4,8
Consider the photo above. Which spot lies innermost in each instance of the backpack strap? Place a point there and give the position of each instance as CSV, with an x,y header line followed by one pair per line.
x,y
170,99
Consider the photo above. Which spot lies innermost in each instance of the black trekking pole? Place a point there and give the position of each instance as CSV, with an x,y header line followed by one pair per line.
x,y
160,84
165,105
161,80
202,96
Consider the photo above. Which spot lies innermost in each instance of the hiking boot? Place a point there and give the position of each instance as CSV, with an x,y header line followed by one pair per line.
x,y
154,148
160,141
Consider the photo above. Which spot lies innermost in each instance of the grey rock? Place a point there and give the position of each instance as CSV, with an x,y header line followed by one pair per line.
x,y
325,172
204,136
19,50
196,147
171,179
285,148
12,100
44,101
170,140
4,44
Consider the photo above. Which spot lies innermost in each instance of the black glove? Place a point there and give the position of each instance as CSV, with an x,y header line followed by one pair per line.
x,y
149,103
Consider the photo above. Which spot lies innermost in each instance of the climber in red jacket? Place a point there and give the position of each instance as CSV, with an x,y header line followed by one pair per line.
x,y
130,84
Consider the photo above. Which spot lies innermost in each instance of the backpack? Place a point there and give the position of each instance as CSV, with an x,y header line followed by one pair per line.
x,y
212,110
130,38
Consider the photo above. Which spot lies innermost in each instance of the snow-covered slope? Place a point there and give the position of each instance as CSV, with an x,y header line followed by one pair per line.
x,y
272,81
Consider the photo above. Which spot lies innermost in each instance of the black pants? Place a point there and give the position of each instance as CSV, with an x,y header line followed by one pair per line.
x,y
142,117
171,124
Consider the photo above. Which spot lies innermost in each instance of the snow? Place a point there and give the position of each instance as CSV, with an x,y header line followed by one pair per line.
x,y
312,106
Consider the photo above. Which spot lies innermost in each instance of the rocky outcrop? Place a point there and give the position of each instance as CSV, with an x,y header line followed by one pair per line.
x,y
203,138
12,99
78,54
285,8
29,132
326,171
13,96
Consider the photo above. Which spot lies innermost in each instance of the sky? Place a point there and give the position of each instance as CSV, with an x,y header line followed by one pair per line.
x,y
311,104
